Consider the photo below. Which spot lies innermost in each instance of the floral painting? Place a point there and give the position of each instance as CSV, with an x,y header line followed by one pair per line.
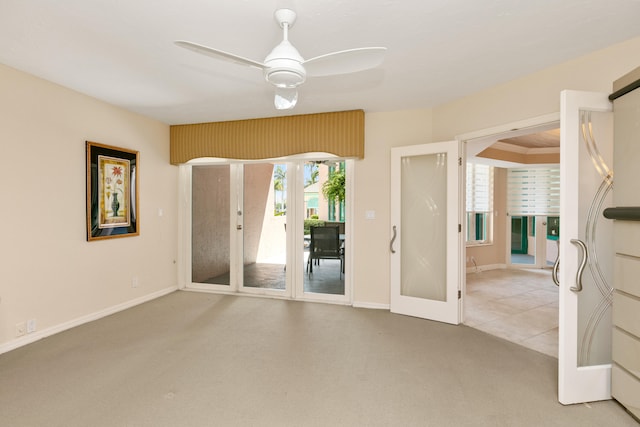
x,y
112,196
114,191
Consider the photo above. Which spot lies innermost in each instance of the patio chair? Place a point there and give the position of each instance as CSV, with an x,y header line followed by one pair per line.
x,y
325,244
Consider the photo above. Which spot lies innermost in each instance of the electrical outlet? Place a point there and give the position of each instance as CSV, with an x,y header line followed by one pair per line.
x,y
134,282
21,329
31,326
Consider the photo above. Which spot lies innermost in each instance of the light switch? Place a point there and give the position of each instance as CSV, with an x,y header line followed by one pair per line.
x,y
370,215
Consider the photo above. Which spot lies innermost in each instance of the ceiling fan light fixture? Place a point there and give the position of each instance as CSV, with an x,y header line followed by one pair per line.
x,y
286,98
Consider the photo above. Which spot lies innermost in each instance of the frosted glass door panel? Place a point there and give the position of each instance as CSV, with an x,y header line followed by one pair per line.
x,y
596,183
423,225
426,238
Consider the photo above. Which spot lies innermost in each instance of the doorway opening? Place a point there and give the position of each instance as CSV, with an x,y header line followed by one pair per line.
x,y
509,291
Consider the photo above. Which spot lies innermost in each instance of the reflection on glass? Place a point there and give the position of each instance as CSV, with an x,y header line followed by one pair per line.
x,y
210,224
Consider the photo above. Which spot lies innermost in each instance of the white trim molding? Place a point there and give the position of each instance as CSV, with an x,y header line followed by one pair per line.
x,y
36,336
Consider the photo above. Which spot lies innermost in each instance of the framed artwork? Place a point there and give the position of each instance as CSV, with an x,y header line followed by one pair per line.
x,y
112,192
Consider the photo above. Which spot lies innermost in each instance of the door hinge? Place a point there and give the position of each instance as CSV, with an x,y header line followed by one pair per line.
x,y
459,161
459,294
459,228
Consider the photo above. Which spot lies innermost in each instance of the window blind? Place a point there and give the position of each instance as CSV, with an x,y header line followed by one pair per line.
x,y
479,188
533,191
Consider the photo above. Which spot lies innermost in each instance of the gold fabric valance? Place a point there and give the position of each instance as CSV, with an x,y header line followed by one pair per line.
x,y
339,133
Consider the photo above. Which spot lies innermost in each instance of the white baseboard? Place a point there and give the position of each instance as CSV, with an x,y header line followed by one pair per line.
x,y
486,268
373,305
30,338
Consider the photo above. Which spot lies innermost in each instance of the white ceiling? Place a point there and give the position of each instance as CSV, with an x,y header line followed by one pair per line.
x,y
122,51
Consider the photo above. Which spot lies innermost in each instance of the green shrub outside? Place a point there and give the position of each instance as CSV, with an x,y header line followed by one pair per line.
x,y
308,223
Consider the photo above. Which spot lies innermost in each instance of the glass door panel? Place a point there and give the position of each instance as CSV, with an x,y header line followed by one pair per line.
x,y
531,244
210,240
264,219
324,207
596,232
525,240
423,226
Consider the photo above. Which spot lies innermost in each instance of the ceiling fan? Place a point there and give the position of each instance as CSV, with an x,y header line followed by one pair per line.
x,y
286,69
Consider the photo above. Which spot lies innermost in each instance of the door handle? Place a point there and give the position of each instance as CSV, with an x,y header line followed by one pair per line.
x,y
583,263
554,272
393,239
556,266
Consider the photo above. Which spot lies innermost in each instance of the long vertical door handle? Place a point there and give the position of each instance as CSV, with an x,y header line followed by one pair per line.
x,y
393,239
583,263
556,266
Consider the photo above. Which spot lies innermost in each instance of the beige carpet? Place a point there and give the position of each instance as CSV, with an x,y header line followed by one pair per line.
x,y
194,359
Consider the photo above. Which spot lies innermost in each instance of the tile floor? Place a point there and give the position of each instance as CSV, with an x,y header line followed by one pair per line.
x,y
519,305
325,279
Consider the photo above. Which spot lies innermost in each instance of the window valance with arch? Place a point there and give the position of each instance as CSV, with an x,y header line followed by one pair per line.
x,y
340,133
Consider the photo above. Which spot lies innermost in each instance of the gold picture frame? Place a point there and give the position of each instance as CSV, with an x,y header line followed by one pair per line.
x,y
112,192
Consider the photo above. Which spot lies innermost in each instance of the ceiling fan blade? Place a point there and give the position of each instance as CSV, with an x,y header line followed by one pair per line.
x,y
219,54
286,98
345,61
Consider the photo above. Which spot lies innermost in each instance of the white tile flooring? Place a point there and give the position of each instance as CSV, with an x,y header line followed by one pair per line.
x,y
515,304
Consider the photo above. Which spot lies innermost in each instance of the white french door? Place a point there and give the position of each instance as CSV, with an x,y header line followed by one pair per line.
x,y
249,228
425,225
586,248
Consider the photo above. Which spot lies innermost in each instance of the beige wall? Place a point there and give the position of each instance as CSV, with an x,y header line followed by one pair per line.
x,y
49,272
494,254
532,96
536,94
372,187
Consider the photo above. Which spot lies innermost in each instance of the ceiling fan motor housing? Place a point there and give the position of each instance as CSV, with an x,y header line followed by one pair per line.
x,y
285,76
284,66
